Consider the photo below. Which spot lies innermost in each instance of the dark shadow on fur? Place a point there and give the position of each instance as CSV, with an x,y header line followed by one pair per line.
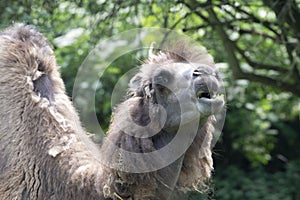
x,y
43,87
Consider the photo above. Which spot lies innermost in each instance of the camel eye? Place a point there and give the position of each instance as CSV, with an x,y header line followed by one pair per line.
x,y
197,73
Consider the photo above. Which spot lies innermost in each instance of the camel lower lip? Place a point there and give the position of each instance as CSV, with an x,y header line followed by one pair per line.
x,y
217,100
208,106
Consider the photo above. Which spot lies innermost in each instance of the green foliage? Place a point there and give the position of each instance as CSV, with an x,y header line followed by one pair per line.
x,y
108,80
262,123
257,138
232,183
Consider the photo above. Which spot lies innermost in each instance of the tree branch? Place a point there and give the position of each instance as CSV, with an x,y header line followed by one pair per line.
x,y
231,47
257,65
267,24
172,27
228,44
283,86
286,11
195,28
258,33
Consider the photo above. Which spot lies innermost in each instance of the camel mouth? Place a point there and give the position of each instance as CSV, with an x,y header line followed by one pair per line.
x,y
209,103
204,94
206,104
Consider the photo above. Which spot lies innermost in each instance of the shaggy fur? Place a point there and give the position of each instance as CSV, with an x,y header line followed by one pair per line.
x,y
44,153
194,167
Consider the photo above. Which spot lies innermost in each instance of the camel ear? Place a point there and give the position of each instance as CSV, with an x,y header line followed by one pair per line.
x,y
135,85
135,82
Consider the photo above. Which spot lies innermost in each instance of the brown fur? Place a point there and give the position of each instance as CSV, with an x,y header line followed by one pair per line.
x,y
44,153
194,167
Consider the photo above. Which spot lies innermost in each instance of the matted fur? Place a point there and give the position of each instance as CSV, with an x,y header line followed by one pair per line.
x,y
44,153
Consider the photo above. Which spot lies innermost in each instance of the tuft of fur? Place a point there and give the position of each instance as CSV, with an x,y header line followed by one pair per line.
x,y
181,52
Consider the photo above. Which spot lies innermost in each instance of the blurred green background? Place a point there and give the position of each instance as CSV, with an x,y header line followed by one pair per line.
x,y
256,45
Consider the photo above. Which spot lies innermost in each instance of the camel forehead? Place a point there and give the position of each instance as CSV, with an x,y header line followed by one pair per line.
x,y
186,69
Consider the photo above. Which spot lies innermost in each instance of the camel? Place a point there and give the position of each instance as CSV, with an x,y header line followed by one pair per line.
x,y
45,153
